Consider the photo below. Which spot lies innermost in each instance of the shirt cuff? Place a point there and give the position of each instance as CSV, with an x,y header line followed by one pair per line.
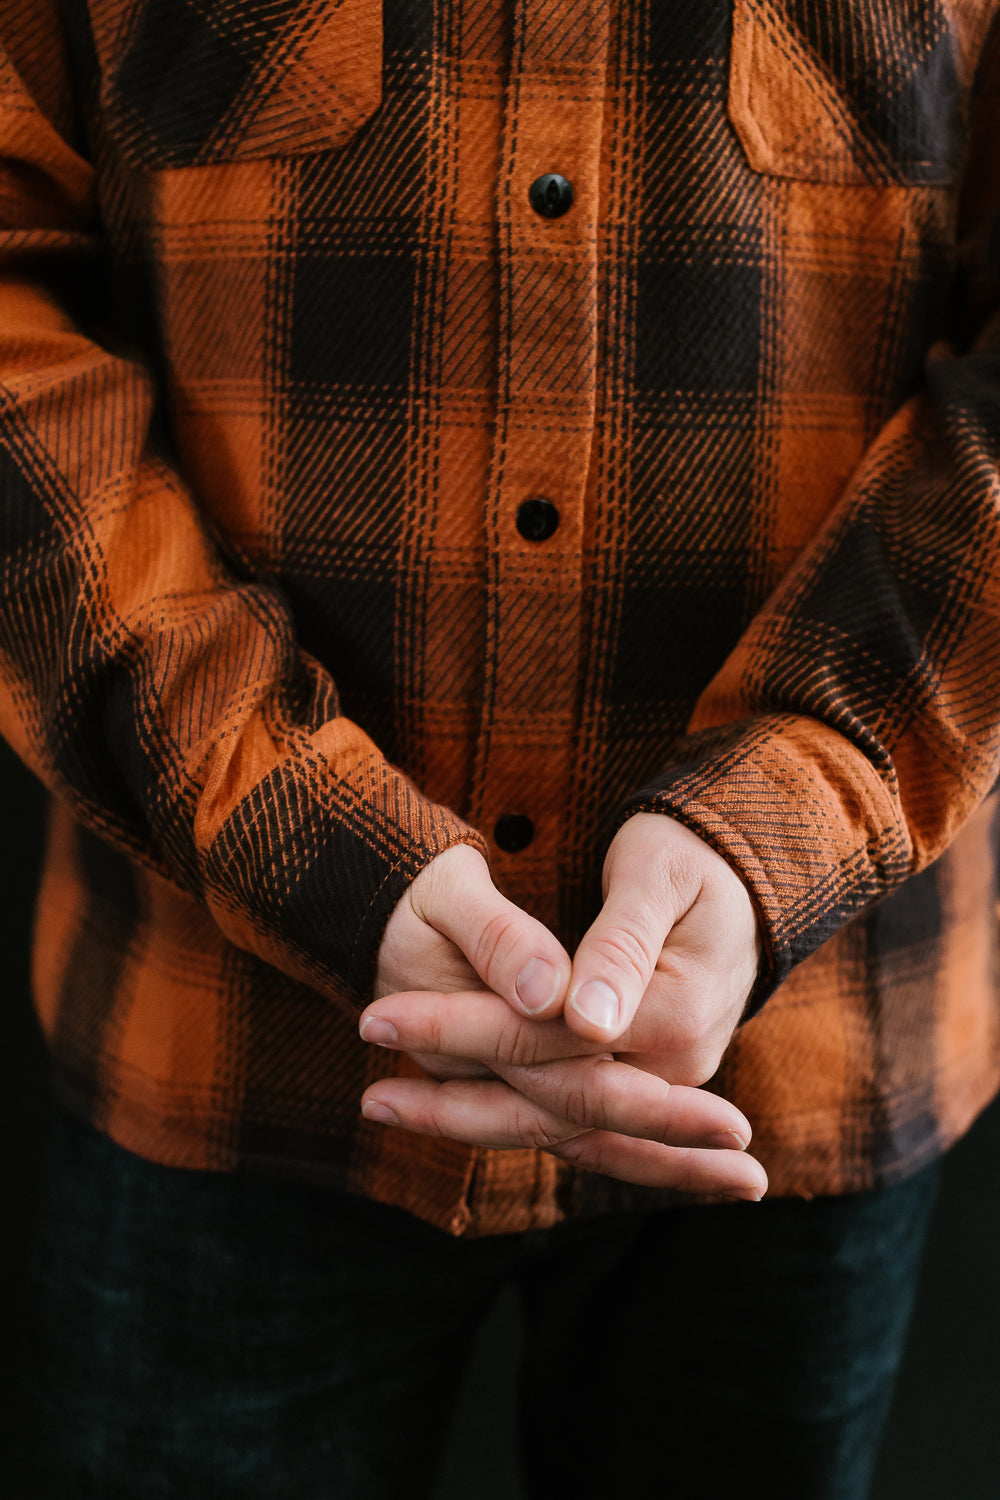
x,y
813,830
306,871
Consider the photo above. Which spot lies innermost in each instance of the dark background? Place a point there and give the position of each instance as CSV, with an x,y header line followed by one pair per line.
x,y
943,1441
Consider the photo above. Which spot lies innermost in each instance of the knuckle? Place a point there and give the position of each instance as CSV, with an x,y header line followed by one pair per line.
x,y
695,1066
669,879
455,864
685,1035
517,1045
573,1148
578,1105
429,1031
426,1119
430,885
691,1073
495,943
689,973
522,1046
533,1129
688,1176
687,1024
590,1149
447,1069
587,1095
668,870
624,951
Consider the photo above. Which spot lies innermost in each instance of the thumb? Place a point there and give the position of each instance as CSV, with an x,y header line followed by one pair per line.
x,y
615,962
652,875
514,955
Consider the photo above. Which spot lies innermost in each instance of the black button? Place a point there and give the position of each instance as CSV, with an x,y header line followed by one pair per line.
x,y
551,195
513,833
537,520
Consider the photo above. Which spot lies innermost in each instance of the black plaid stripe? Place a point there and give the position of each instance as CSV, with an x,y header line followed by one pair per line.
x,y
306,860
698,385
188,67
198,81
108,700
898,72
343,371
284,1105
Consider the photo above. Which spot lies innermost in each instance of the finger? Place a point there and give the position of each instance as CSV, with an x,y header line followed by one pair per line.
x,y
440,1066
515,956
473,1024
485,1112
588,1093
726,1174
443,1030
473,1033
493,1115
602,1093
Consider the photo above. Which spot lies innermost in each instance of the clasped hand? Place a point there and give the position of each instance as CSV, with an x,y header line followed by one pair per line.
x,y
598,1059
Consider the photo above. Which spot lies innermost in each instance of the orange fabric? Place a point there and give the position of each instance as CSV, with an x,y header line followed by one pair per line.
x,y
285,348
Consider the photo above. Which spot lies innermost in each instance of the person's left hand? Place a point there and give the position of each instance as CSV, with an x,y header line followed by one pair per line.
x,y
666,970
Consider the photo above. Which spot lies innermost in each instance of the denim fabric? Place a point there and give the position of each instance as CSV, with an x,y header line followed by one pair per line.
x,y
219,1337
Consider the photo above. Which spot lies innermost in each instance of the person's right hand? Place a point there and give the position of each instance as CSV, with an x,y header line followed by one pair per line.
x,y
453,930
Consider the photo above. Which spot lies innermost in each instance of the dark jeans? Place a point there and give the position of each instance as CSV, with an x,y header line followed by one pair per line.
x,y
209,1337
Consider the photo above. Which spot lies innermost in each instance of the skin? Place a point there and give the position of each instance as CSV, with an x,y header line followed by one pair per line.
x,y
599,1059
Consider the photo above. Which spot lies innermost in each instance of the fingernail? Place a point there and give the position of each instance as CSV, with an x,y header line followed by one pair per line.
x,y
382,1033
744,1195
372,1110
728,1140
598,1004
537,984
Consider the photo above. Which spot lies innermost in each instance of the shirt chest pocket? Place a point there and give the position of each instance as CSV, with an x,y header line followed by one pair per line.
x,y
193,82
854,91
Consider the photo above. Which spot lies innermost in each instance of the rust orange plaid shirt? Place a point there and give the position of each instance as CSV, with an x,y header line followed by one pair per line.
x,y
352,507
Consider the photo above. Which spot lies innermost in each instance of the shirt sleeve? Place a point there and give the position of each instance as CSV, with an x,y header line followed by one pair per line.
x,y
856,725
148,677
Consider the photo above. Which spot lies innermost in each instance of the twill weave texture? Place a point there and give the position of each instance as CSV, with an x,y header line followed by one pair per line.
x,y
284,349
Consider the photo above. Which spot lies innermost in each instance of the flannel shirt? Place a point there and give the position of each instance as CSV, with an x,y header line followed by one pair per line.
x,y
285,349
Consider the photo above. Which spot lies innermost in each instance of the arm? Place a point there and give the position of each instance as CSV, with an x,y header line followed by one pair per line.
x,y
856,727
151,680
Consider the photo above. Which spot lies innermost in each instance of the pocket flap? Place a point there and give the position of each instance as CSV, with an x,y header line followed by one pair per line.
x,y
851,91
190,82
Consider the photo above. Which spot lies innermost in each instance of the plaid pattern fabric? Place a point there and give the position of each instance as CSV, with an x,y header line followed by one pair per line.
x,y
284,348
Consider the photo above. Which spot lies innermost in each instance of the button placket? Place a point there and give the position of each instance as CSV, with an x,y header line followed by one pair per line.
x,y
548,346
